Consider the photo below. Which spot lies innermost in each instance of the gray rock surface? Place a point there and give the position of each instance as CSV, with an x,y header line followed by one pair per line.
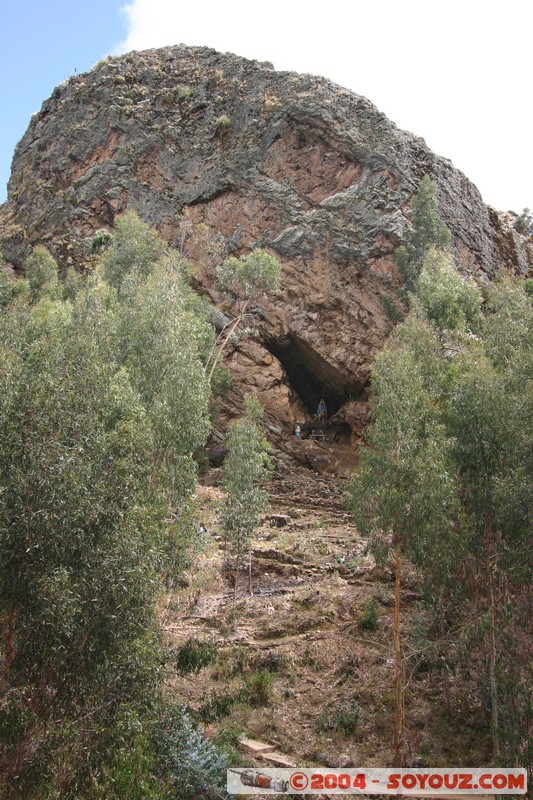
x,y
293,163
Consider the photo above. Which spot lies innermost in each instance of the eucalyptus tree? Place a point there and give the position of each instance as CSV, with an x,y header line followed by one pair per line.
x,y
77,541
426,231
447,473
246,279
103,399
42,274
245,470
164,335
403,496
490,416
135,249
163,338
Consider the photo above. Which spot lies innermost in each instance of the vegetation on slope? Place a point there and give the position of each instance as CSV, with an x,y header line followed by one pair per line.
x,y
446,478
104,399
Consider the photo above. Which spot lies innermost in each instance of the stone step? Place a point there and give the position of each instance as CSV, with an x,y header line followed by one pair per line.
x,y
255,748
277,759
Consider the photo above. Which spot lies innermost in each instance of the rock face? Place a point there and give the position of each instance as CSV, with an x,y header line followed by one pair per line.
x,y
293,163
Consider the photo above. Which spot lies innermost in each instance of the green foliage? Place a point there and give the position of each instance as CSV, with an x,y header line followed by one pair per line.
x,y
72,284
449,300
524,222
508,321
250,276
134,251
221,382
344,718
130,765
101,240
393,314
259,688
41,272
10,287
218,705
427,231
194,655
77,546
196,768
245,468
405,469
447,473
103,399
369,616
163,336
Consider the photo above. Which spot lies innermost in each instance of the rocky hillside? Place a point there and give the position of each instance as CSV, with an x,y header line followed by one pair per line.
x,y
293,163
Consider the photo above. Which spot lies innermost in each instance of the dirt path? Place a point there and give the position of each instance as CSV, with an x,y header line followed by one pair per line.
x,y
311,578
318,625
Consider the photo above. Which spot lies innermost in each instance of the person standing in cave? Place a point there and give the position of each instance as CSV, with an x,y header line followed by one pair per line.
x,y
298,433
322,410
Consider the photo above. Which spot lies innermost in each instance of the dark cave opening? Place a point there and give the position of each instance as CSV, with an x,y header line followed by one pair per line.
x,y
310,375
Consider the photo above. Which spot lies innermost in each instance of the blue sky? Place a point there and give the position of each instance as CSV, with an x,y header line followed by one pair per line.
x,y
457,74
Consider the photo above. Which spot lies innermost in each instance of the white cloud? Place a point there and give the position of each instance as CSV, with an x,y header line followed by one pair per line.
x,y
456,74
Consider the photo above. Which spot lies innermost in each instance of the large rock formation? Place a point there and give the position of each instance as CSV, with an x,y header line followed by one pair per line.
x,y
293,163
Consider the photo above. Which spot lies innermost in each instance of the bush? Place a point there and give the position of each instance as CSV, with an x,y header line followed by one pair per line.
x,y
218,705
259,688
393,314
41,272
102,239
223,123
194,655
450,301
343,718
369,617
10,287
197,769
72,285
524,222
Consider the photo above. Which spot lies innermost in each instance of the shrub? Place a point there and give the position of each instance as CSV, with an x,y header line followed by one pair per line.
x,y
524,222
393,314
369,617
101,240
193,762
41,272
194,655
10,287
450,301
72,284
223,123
343,718
259,688
218,705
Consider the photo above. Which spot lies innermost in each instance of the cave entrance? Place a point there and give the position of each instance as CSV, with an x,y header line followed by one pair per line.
x,y
310,375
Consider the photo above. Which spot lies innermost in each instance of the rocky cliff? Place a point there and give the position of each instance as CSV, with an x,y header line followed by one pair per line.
x,y
292,163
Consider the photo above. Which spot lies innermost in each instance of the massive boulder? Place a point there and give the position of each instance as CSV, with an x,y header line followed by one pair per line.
x,y
250,157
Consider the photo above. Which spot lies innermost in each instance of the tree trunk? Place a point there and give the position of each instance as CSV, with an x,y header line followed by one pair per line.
x,y
494,723
226,340
237,562
446,679
399,748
